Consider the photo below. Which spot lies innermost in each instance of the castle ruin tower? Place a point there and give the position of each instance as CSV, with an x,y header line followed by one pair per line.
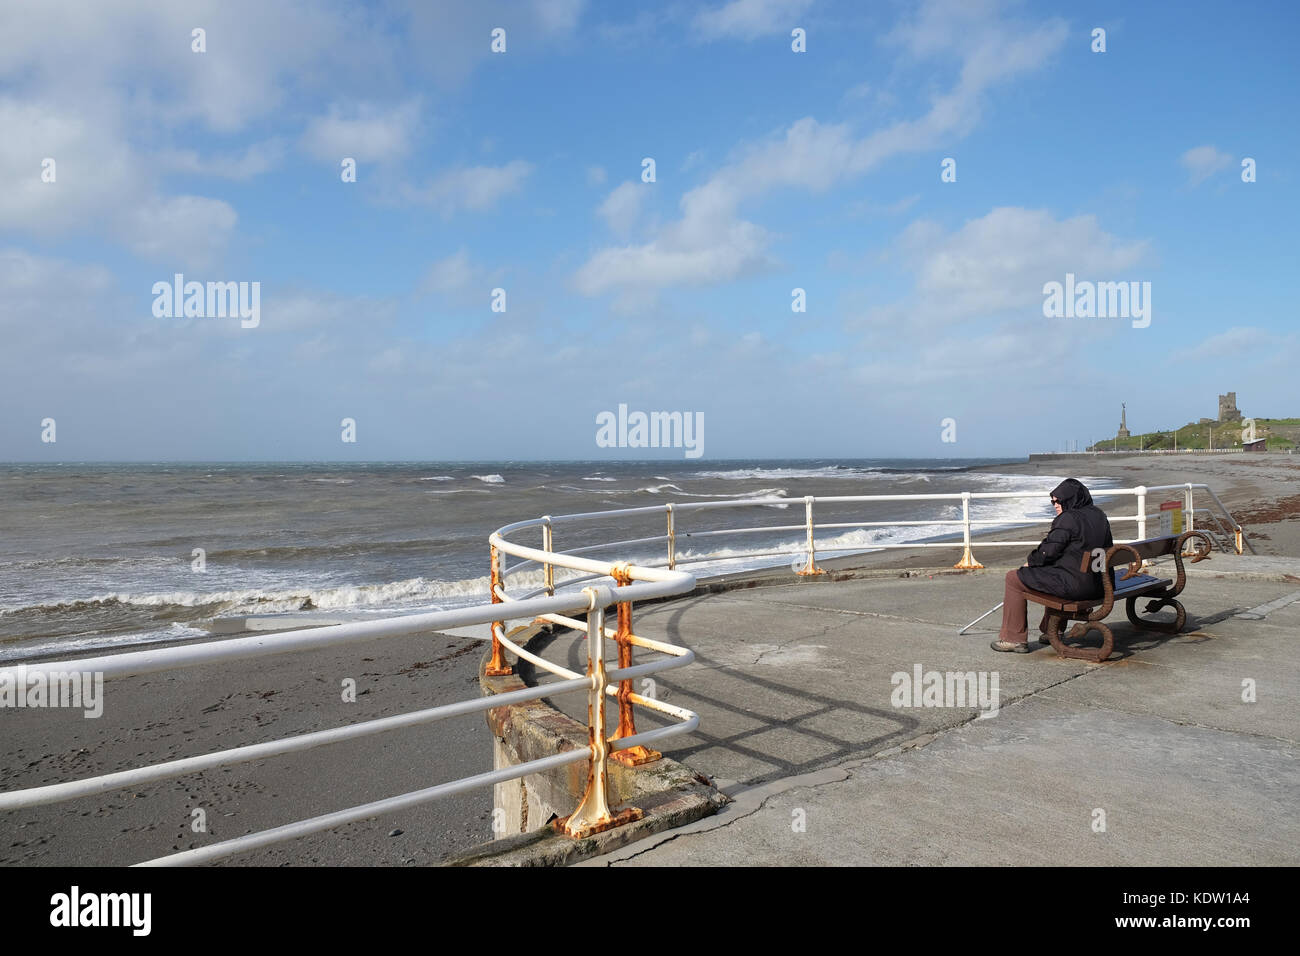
x,y
1228,411
1123,421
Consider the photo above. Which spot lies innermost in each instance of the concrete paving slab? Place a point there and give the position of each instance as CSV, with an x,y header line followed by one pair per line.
x,y
1044,783
795,687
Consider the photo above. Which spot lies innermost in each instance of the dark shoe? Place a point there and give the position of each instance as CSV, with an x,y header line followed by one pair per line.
x,y
1011,647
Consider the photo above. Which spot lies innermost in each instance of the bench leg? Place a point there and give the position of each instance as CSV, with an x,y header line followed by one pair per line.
x,y
1095,655
1168,627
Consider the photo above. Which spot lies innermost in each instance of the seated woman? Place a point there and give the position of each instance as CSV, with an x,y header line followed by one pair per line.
x,y
1053,568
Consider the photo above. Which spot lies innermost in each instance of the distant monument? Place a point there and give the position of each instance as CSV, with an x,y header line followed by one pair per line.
x,y
1228,411
1123,421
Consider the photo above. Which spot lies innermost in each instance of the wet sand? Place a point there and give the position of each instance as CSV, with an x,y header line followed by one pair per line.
x,y
159,717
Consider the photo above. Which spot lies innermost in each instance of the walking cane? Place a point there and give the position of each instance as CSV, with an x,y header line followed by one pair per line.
x,y
980,618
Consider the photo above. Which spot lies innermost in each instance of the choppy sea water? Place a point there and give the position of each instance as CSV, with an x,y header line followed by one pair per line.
x,y
95,555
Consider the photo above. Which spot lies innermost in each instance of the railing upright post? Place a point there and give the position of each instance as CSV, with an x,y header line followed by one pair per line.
x,y
631,756
672,539
548,545
593,814
1142,512
497,666
967,562
811,567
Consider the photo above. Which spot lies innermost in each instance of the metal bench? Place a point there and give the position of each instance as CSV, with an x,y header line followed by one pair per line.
x,y
1131,585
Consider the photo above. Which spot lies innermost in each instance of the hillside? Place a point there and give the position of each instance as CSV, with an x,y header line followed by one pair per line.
x,y
1281,434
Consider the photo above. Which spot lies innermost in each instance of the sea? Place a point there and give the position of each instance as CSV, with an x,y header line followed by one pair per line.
x,y
109,555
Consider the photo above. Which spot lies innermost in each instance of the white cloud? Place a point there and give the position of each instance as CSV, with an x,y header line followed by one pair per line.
x,y
748,19
1241,342
103,186
710,243
473,187
450,38
558,16
294,310
257,54
365,132
93,168
1001,261
449,275
453,274
979,288
1202,162
622,207
117,97
696,252
256,159
190,230
33,288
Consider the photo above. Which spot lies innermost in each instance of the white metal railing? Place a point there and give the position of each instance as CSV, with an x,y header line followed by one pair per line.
x,y
1146,451
648,579
676,512
593,813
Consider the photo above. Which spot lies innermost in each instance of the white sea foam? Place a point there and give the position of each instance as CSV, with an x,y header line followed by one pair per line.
x,y
439,478
783,474
598,478
75,645
490,479
757,493
677,492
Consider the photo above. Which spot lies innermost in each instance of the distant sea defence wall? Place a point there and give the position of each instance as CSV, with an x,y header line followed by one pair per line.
x,y
1076,455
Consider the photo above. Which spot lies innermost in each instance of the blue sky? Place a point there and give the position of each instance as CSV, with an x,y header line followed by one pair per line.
x,y
522,170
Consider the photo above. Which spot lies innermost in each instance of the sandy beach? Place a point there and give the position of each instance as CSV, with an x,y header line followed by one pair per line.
x,y
165,716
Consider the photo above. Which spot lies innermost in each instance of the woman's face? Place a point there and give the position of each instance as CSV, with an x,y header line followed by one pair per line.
x,y
1056,505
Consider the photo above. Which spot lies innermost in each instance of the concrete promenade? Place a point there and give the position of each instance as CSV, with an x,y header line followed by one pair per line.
x,y
1152,758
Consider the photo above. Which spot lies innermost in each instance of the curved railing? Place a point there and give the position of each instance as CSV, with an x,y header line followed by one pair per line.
x,y
593,812
547,558
583,592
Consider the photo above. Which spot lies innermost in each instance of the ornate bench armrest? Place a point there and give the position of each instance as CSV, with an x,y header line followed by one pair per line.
x,y
1201,552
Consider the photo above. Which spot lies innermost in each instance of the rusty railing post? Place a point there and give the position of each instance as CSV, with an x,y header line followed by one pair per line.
x,y
632,756
593,814
548,545
967,562
811,566
672,539
497,666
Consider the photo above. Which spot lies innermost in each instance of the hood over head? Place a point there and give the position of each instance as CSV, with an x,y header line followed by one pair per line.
x,y
1072,494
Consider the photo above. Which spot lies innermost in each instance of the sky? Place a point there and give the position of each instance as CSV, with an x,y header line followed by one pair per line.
x,y
617,206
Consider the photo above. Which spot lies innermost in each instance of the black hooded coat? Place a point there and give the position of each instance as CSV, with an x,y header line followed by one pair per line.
x,y
1078,530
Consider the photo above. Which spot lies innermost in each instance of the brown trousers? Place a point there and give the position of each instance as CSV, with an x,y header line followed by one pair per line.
x,y
1015,611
